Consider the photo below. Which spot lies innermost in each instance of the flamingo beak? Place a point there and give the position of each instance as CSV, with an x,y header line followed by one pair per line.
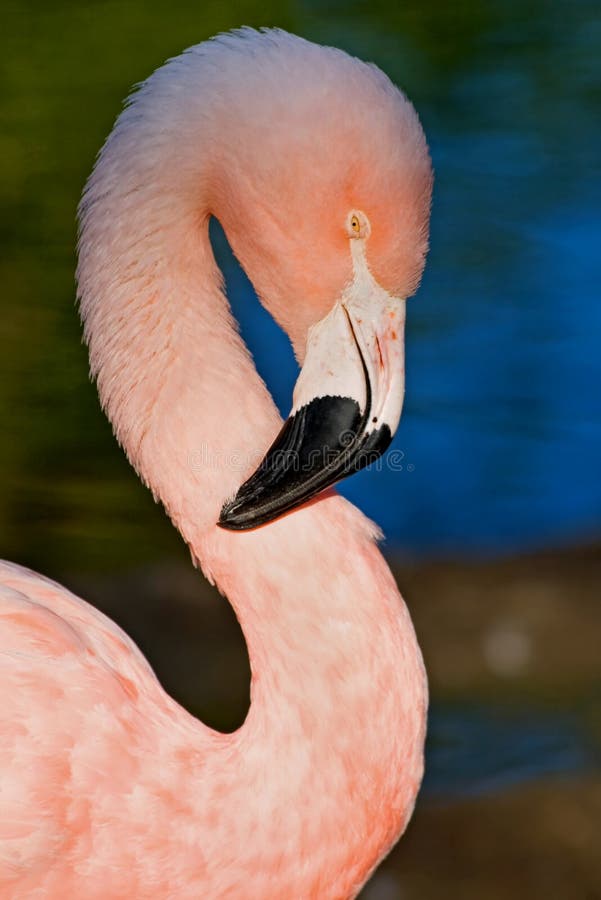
x,y
346,407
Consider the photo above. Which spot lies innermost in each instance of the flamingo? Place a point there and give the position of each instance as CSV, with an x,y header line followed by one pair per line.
x,y
319,172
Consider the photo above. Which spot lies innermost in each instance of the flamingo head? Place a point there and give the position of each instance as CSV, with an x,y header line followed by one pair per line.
x,y
324,194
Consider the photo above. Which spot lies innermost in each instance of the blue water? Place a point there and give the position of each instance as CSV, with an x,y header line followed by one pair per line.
x,y
474,750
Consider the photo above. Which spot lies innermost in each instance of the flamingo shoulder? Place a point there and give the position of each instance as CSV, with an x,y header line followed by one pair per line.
x,y
80,711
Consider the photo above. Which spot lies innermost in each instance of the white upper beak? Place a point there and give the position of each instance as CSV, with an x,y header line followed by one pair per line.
x,y
358,350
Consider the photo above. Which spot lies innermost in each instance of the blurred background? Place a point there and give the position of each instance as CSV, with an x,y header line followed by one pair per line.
x,y
493,522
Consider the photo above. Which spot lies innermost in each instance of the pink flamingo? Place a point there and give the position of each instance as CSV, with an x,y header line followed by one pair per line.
x,y
318,169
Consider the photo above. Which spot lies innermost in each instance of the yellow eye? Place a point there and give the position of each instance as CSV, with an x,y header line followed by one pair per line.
x,y
357,225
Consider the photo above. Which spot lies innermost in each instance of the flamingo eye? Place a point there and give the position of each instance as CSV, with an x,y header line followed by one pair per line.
x,y
357,225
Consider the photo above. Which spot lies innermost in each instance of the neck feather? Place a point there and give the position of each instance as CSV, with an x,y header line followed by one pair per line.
x,y
338,691
169,363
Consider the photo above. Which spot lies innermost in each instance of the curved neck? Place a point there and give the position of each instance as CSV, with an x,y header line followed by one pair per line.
x,y
164,348
338,690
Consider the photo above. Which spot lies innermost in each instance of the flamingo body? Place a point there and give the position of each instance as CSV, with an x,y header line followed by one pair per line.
x,y
108,788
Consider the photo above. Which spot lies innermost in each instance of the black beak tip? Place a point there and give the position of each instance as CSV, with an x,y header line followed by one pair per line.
x,y
230,518
243,514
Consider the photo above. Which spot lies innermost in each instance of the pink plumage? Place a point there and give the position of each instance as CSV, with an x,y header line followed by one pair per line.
x,y
108,788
